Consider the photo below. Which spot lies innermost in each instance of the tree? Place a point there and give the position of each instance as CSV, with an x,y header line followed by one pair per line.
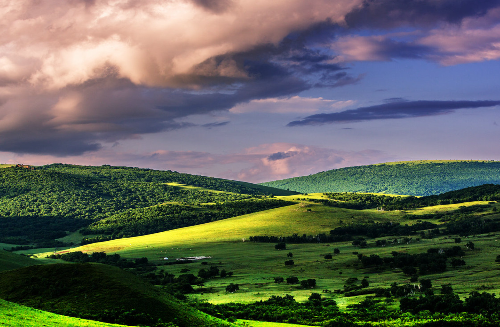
x,y
425,284
292,280
290,255
457,262
231,288
289,263
315,299
336,251
365,283
278,280
280,246
469,245
308,283
328,256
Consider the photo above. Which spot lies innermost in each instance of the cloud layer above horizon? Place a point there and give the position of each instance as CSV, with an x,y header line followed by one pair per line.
x,y
78,76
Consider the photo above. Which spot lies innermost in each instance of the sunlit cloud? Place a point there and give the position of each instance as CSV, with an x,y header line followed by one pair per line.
x,y
293,104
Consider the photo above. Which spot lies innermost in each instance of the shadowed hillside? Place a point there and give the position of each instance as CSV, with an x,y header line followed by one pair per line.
x,y
9,261
97,292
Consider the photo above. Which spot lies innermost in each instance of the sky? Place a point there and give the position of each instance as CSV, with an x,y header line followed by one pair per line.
x,y
248,90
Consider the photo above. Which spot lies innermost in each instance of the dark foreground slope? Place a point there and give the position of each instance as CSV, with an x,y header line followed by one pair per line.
x,y
98,292
409,178
9,261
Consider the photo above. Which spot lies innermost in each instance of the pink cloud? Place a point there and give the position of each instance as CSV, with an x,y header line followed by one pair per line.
x,y
60,43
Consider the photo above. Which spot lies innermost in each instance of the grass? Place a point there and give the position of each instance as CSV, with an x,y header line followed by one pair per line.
x,y
256,264
308,218
6,165
14,315
253,323
9,261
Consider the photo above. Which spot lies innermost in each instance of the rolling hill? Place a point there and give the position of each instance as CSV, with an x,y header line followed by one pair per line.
x,y
418,178
44,204
9,261
98,292
15,315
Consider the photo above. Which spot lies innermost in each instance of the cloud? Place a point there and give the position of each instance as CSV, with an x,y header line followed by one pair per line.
x,y
388,14
378,48
294,104
393,110
281,155
446,32
76,75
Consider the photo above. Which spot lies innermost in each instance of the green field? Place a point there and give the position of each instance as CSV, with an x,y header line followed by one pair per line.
x,y
256,264
15,315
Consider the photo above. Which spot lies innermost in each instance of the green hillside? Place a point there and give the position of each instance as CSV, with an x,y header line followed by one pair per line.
x,y
97,292
15,315
44,204
9,261
417,178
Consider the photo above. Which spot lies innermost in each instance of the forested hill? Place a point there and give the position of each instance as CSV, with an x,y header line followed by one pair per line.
x,y
417,178
141,175
43,203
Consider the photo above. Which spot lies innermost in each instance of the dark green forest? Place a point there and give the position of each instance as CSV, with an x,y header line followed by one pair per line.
x,y
45,203
416,178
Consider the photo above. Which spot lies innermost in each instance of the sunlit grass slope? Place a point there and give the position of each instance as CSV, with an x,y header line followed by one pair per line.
x,y
424,177
96,291
304,218
14,315
9,261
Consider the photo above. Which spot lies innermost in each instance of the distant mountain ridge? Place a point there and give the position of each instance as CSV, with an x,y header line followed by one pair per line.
x,y
418,178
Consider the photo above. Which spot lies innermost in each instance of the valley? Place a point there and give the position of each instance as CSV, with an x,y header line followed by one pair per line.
x,y
330,258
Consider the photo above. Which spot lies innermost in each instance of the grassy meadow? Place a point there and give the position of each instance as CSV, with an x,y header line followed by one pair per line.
x,y
256,264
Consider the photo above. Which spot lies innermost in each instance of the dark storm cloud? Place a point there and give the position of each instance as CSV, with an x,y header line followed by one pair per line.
x,y
58,144
393,110
212,125
281,155
395,13
215,6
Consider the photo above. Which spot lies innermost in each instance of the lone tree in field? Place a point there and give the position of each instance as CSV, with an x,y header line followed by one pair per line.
x,y
289,263
231,288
